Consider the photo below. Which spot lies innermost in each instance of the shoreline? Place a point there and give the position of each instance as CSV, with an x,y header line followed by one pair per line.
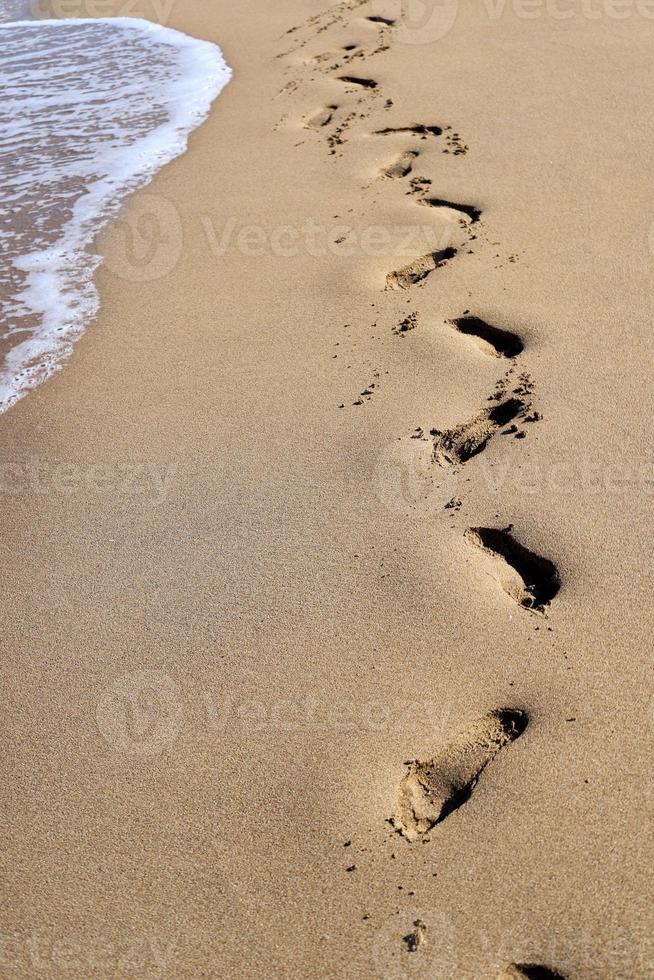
x,y
235,609
49,284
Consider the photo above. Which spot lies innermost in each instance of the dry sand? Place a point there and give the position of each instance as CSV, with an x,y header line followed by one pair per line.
x,y
233,609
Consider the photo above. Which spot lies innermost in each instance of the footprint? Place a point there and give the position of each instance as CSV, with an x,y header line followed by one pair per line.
x,y
338,136
361,82
415,130
321,118
468,209
529,579
377,19
458,445
319,23
419,269
529,971
402,166
432,790
346,52
492,340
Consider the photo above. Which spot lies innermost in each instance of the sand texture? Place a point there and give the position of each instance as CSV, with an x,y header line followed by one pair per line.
x,y
349,486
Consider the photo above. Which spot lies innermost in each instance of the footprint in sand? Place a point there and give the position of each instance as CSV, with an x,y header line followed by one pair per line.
x,y
321,22
401,167
432,790
345,53
368,83
338,135
456,446
529,579
384,21
417,129
492,340
529,971
333,61
419,269
321,118
468,210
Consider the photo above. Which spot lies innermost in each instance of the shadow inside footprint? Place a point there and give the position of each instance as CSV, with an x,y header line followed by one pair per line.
x,y
321,118
361,82
418,129
501,343
458,445
529,579
432,790
378,19
469,210
529,971
401,167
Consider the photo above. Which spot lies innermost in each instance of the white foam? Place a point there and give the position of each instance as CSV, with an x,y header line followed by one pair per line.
x,y
91,109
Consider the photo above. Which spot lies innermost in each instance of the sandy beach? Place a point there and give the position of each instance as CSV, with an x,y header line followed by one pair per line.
x,y
327,558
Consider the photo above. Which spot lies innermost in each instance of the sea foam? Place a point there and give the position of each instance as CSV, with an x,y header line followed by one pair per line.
x,y
91,109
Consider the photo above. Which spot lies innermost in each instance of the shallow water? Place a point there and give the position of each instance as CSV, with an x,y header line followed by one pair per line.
x,y
15,10
91,109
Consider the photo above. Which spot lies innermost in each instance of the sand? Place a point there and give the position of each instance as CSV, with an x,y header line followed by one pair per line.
x,y
236,601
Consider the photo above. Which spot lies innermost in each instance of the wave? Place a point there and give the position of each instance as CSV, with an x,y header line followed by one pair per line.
x,y
91,110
